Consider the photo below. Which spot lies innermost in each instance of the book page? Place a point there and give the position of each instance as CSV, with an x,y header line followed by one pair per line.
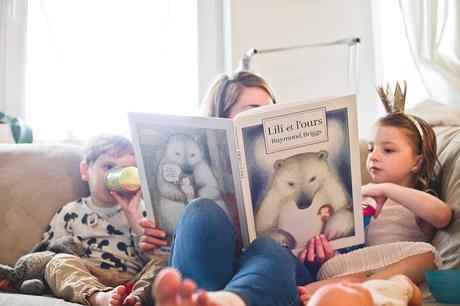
x,y
181,158
301,171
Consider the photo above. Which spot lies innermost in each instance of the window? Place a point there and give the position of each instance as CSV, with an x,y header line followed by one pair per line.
x,y
398,63
89,62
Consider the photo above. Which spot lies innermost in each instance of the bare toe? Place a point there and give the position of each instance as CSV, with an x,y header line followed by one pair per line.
x,y
117,295
132,300
166,286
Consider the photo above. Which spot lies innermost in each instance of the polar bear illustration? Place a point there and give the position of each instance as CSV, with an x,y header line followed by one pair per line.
x,y
305,198
183,156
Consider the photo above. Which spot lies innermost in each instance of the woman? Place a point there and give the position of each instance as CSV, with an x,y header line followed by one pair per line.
x,y
203,248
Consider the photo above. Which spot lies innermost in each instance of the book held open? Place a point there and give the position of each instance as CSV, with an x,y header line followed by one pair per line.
x,y
289,171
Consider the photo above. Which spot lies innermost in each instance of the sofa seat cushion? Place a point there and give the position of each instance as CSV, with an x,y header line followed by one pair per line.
x,y
15,299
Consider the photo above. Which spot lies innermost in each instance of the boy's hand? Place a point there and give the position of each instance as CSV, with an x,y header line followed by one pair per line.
x,y
376,192
152,237
317,252
130,206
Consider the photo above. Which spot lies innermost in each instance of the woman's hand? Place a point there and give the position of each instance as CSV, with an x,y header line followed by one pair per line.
x,y
317,252
152,237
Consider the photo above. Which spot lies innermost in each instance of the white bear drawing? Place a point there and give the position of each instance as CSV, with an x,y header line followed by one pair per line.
x,y
183,156
305,198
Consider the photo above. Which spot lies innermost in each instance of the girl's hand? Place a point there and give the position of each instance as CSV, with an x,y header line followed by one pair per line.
x,y
152,237
317,252
377,193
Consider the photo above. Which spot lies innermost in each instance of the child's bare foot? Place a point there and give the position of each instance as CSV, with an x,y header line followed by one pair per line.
x,y
170,290
113,297
132,300
304,296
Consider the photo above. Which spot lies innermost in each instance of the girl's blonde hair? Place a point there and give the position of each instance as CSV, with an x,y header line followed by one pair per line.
x,y
225,90
424,176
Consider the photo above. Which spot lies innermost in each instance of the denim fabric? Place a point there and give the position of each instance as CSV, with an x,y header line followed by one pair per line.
x,y
203,250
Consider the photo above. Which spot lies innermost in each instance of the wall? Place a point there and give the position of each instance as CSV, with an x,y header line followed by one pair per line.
x,y
265,24
12,56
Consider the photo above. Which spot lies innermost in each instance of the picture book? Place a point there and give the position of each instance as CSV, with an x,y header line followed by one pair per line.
x,y
289,171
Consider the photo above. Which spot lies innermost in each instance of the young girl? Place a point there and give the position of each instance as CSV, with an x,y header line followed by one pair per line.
x,y
401,160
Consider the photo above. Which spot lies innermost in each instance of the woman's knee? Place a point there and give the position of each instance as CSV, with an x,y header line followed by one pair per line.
x,y
206,211
267,244
270,248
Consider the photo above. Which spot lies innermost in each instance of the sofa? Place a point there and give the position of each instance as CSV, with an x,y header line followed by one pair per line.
x,y
37,179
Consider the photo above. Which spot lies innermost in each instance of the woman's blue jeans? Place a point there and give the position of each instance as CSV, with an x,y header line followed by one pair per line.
x,y
203,250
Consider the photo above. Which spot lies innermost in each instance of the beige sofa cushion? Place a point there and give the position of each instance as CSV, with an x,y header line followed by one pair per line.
x,y
447,241
35,180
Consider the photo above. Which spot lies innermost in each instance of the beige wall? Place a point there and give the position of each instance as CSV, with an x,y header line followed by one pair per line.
x,y
265,24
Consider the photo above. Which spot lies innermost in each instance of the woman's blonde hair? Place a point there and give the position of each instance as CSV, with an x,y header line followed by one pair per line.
x,y
424,176
225,90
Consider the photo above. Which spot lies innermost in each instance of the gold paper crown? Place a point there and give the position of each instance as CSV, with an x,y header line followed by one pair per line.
x,y
394,103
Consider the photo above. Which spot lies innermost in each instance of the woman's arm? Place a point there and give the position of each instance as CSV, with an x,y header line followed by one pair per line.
x,y
422,204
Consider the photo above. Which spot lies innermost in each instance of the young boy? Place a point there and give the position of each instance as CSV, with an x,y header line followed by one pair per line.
x,y
109,227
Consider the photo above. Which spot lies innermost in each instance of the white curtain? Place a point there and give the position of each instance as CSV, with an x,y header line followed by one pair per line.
x,y
12,56
433,31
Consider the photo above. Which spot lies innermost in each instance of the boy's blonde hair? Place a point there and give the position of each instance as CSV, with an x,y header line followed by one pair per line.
x,y
424,177
225,90
114,145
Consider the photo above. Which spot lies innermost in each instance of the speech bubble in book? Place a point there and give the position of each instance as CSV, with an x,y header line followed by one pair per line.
x,y
171,172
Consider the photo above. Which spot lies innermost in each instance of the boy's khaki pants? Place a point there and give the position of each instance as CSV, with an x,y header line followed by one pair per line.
x,y
73,279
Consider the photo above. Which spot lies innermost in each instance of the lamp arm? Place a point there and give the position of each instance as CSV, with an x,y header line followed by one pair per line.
x,y
245,62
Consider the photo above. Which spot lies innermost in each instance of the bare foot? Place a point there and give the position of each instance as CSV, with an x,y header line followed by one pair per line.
x,y
170,290
113,297
304,296
132,300
343,293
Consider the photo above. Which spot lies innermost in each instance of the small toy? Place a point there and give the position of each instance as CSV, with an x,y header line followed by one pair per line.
x,y
368,213
27,275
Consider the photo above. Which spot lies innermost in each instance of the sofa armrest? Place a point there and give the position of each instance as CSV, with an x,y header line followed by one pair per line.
x,y
35,181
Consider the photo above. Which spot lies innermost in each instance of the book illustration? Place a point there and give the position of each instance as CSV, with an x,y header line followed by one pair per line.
x,y
183,156
304,187
298,196
187,186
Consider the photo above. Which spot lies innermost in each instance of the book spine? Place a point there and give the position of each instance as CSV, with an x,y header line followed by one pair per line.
x,y
247,201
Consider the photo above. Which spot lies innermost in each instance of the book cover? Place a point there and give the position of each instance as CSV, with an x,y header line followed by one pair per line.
x,y
300,171
289,171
